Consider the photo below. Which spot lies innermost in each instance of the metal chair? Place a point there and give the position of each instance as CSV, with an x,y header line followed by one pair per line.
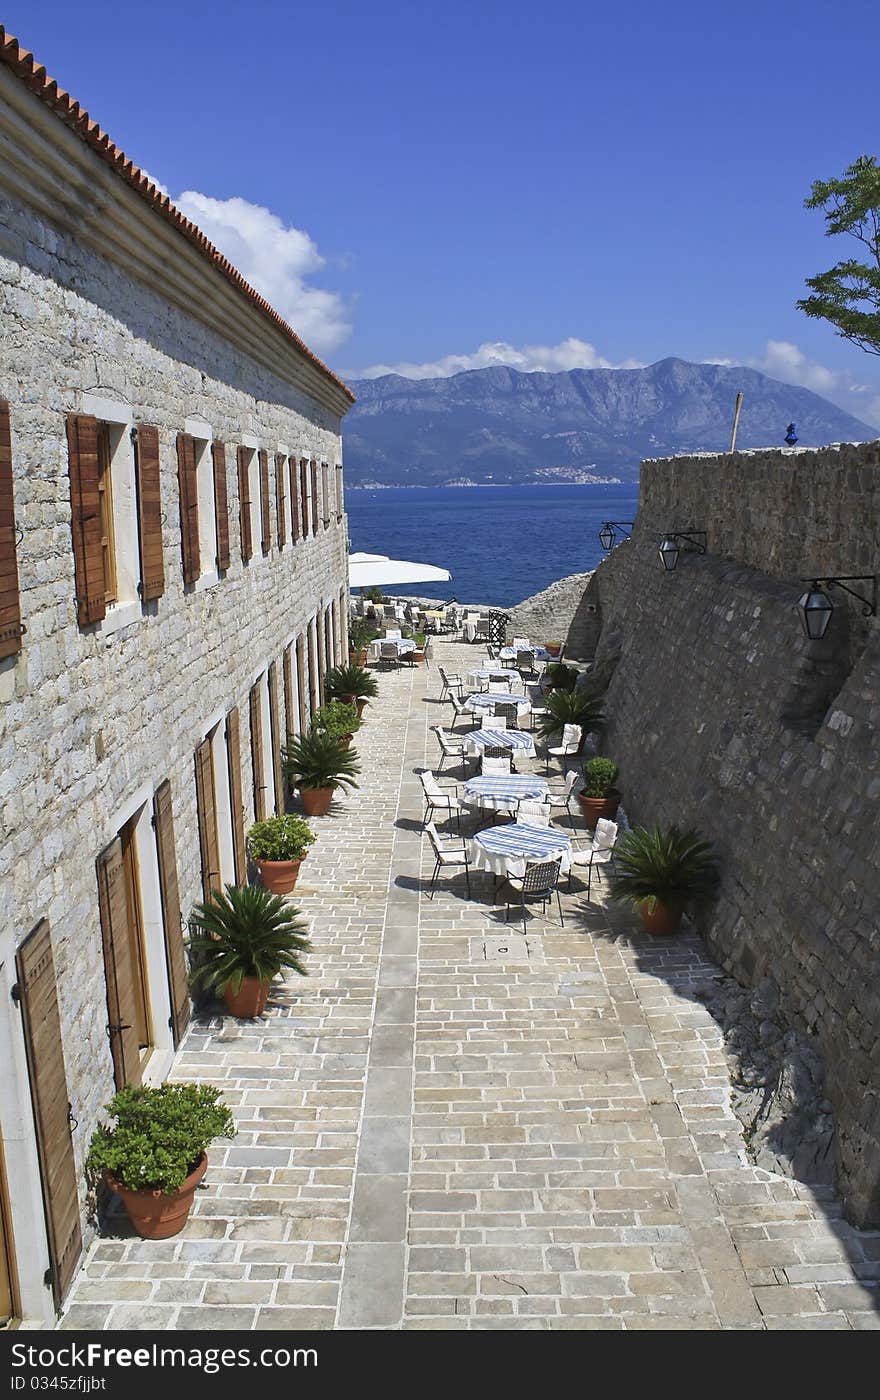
x,y
541,881
495,758
436,800
450,682
600,852
449,747
388,655
447,853
530,812
525,663
564,796
571,742
509,713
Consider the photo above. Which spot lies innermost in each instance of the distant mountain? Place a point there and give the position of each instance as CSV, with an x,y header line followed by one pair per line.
x,y
504,426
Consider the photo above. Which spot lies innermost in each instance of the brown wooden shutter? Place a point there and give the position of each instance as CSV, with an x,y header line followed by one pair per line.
x,y
293,482
289,697
277,738
236,802
315,503
206,810
340,508
343,627
85,519
304,493
221,505
11,630
280,511
244,504
325,495
301,683
265,512
175,954
256,719
118,968
149,508
189,507
38,998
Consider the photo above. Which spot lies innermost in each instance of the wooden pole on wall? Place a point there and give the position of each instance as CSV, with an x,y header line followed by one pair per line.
x,y
739,404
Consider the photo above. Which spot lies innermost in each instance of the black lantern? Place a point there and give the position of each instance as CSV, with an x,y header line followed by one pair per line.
x,y
815,608
610,530
669,552
674,541
606,536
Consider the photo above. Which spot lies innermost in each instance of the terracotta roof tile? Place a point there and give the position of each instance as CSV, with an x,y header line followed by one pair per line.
x,y
34,76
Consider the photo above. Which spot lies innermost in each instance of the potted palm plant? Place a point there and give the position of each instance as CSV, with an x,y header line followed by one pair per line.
x,y
661,871
154,1154
318,764
243,937
352,684
279,845
339,719
570,707
598,796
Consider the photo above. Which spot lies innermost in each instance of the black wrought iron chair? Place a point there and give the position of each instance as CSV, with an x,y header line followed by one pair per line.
x,y
540,881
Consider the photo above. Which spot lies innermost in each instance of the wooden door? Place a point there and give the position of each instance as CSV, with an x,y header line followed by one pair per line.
x,y
236,800
175,953
206,811
257,762
8,1304
119,971
302,697
276,738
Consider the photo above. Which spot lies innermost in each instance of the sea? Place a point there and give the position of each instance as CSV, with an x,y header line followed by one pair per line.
x,y
500,543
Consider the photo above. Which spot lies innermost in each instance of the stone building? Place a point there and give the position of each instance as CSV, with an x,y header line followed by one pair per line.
x,y
173,575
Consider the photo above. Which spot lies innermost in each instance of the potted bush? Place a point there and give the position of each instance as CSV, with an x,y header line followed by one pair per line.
x,y
279,845
352,684
154,1154
598,796
418,655
558,676
570,707
661,871
339,719
317,763
360,634
244,937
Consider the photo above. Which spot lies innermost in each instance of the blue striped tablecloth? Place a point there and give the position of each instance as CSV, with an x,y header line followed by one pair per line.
x,y
502,791
504,850
485,699
509,653
505,738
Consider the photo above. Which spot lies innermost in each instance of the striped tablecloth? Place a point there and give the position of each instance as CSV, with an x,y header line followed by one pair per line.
x,y
493,674
504,850
502,791
509,653
486,699
516,739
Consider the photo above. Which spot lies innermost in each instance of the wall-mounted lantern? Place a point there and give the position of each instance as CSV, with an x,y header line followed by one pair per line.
x,y
674,541
611,529
815,607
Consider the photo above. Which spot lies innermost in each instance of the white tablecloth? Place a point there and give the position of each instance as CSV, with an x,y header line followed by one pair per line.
x,y
509,653
502,792
516,739
487,699
403,644
504,850
492,675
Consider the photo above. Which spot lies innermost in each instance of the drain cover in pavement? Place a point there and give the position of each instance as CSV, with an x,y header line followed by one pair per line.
x,y
511,947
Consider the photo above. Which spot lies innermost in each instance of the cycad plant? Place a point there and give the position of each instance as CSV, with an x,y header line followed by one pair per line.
x,y
570,707
350,683
244,931
318,760
657,865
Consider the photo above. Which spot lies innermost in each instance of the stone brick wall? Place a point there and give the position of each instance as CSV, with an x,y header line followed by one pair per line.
x,y
87,719
560,613
723,716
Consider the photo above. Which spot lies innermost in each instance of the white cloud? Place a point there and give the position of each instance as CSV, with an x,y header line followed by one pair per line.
x,y
781,359
568,354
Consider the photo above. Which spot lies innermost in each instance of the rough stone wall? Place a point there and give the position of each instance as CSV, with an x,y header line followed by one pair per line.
x,y
560,613
722,715
142,696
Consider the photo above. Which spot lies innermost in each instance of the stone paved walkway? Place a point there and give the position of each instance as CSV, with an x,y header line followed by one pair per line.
x,y
436,1133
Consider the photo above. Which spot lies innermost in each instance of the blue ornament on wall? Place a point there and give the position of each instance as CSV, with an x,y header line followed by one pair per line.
x,y
791,436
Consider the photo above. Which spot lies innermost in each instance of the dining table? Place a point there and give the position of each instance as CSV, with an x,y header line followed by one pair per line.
x,y
488,699
493,675
502,792
506,850
403,645
517,740
509,653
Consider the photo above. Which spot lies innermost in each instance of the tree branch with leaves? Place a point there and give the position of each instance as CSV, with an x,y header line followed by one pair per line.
x,y
848,294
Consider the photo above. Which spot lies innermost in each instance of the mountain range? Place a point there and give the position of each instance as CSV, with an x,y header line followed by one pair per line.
x,y
505,426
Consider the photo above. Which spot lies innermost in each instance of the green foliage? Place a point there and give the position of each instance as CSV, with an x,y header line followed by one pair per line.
x,y
600,775
669,865
560,676
317,760
280,838
350,680
420,638
159,1134
374,593
570,707
848,294
360,633
337,719
244,931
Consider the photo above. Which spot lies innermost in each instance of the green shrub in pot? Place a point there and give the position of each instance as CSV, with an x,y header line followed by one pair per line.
x,y
598,796
337,718
559,676
278,845
661,870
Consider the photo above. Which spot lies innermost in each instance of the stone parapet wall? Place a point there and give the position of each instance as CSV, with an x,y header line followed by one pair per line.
x,y
560,613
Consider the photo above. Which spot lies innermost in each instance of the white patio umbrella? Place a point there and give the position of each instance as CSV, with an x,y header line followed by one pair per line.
x,y
377,570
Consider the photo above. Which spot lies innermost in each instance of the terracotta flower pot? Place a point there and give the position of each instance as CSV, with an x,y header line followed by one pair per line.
x,y
664,919
316,801
358,658
553,648
279,876
250,1000
595,807
418,658
361,706
155,1215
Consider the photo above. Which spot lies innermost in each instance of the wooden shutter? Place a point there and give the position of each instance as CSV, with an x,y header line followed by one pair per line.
x,y
340,510
236,802
314,490
118,966
244,504
11,629
304,493
38,998
289,700
85,519
301,683
293,482
256,718
280,511
325,494
343,628
189,506
277,738
206,810
265,512
221,505
175,954
149,509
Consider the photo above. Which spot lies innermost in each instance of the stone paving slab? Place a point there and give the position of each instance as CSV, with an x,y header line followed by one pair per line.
x,y
449,1125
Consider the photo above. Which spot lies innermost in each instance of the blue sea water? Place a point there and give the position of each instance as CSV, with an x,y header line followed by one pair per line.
x,y
500,543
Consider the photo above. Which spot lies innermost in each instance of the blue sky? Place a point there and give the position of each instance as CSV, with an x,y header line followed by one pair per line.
x,y
570,182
